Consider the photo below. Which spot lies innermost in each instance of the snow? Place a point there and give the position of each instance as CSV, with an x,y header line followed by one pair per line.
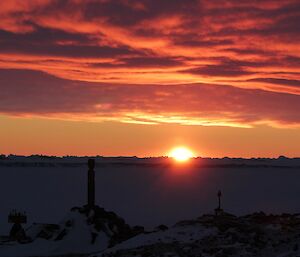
x,y
77,240
256,235
182,234
128,186
145,192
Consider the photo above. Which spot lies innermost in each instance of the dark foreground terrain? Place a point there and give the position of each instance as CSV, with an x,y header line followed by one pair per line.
x,y
100,233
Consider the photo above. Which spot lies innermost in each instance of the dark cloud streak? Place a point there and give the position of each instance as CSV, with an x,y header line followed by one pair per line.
x,y
36,93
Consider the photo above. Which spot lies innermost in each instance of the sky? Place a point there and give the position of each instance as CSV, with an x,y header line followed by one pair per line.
x,y
139,77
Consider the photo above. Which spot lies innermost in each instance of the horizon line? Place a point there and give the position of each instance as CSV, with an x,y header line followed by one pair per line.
x,y
142,157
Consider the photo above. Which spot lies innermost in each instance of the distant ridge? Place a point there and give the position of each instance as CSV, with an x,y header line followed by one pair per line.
x,y
74,161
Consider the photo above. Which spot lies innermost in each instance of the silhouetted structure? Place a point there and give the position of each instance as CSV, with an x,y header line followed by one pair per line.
x,y
91,183
219,197
219,210
17,218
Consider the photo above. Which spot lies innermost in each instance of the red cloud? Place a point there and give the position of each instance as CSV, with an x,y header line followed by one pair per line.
x,y
30,93
205,48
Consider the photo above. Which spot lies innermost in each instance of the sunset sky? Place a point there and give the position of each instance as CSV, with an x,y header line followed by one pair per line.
x,y
139,77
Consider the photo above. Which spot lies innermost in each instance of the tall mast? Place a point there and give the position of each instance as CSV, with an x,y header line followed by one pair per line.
x,y
91,183
219,197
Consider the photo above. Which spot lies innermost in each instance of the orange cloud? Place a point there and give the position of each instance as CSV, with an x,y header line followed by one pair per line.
x,y
43,95
211,49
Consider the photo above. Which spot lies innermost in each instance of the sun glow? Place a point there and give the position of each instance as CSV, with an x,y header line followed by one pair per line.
x,y
181,154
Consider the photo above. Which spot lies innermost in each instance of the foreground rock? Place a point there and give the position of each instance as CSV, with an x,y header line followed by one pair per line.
x,y
96,232
83,231
219,236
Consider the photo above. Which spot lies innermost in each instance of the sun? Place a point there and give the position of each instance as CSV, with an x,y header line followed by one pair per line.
x,y
181,154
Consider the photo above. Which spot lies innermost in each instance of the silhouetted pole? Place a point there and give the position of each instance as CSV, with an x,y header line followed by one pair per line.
x,y
91,183
219,197
219,211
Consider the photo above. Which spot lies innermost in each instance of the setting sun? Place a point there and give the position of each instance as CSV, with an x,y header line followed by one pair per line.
x,y
181,154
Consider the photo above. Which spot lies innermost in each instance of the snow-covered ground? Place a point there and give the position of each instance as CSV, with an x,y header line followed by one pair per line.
x,y
256,235
76,240
224,235
83,230
147,192
150,192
